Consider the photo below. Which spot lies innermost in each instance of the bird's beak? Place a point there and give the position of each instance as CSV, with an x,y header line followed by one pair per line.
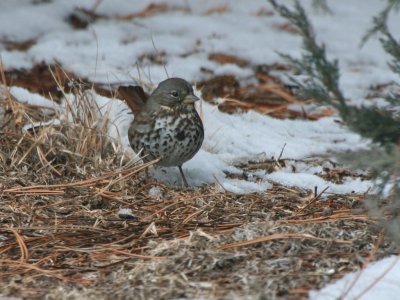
x,y
190,99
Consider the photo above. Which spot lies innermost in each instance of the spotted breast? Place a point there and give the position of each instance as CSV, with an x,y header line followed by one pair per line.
x,y
174,135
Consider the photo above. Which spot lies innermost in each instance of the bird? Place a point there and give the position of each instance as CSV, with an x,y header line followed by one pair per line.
x,y
166,125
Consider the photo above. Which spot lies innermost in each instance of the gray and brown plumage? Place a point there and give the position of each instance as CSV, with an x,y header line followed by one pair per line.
x,y
168,126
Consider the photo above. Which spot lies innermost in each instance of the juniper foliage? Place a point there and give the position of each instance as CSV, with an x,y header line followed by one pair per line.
x,y
389,44
323,75
321,6
381,125
322,84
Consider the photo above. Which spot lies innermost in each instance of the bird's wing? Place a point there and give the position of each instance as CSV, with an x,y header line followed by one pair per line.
x,y
143,122
134,96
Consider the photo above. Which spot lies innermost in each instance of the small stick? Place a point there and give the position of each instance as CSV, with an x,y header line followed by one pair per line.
x,y
280,154
312,201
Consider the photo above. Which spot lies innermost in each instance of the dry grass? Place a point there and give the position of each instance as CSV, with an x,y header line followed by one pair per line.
x,y
63,185
189,243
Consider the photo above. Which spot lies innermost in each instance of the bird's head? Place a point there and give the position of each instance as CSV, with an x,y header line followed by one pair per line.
x,y
174,92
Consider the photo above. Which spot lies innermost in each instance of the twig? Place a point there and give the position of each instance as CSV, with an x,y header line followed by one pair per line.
x,y
24,250
279,236
312,201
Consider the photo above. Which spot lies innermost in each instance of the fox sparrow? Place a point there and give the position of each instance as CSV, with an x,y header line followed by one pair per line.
x,y
168,126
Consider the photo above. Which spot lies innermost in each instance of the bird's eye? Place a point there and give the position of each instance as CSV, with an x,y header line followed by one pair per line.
x,y
174,94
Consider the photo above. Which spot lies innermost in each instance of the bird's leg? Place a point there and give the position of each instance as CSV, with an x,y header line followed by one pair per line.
x,y
183,176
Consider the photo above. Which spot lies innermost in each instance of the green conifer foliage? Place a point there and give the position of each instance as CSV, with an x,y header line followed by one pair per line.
x,y
381,125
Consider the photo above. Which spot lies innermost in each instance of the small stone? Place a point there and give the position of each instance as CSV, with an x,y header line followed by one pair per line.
x,y
126,214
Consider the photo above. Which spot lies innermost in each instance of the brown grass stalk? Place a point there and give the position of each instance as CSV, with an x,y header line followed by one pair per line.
x,y
280,236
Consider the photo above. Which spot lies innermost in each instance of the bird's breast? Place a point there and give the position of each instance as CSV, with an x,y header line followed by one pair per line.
x,y
173,137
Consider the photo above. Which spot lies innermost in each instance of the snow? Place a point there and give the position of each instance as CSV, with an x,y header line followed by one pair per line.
x,y
109,52
156,193
112,47
309,181
380,280
126,213
25,96
241,186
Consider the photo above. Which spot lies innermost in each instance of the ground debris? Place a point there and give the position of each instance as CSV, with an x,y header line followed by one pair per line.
x,y
80,220
189,243
62,234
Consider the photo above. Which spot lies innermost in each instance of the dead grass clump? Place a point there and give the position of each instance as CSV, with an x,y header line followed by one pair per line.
x,y
52,171
74,144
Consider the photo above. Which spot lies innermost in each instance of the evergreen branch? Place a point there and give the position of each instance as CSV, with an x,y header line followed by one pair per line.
x,y
393,98
375,160
379,22
392,47
377,124
324,74
388,42
321,5
380,125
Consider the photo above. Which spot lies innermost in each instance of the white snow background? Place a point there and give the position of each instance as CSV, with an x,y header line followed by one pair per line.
x,y
108,50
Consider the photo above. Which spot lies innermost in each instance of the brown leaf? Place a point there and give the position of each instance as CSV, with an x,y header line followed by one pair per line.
x,y
18,45
264,12
150,10
217,10
218,86
222,59
287,27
